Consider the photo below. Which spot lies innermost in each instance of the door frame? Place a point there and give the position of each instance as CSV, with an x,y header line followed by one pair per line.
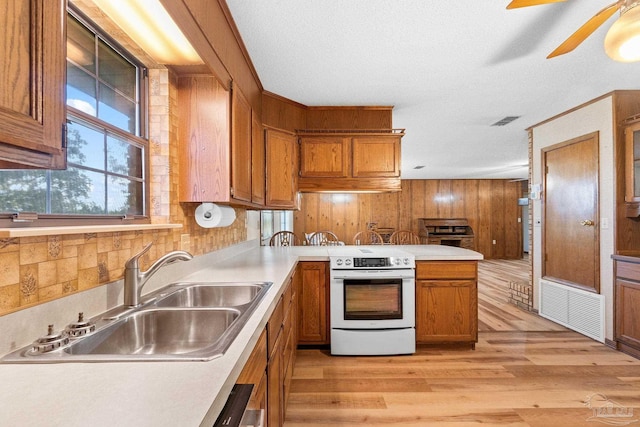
x,y
593,135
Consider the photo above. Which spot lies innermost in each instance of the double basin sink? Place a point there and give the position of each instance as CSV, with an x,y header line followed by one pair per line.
x,y
183,321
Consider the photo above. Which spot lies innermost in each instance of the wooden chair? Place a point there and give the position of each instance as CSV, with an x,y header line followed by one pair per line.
x,y
323,238
284,238
368,237
404,237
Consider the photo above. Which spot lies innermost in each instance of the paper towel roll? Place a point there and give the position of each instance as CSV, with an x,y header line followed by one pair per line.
x,y
209,215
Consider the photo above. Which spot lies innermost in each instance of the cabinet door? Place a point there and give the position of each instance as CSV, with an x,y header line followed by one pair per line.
x,y
240,146
632,163
255,372
204,139
32,84
312,300
446,311
628,313
257,160
376,156
274,385
324,156
281,167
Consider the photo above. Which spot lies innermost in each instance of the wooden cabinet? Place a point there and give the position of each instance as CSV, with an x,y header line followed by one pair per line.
x,y
32,84
325,156
241,135
313,324
255,372
376,156
281,169
203,106
632,169
447,302
281,347
216,137
627,304
257,161
349,161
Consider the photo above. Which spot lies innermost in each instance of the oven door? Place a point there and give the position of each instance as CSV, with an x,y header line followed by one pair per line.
x,y
372,299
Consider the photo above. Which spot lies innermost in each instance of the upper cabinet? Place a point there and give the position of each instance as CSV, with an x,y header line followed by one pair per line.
x,y
240,146
204,135
281,169
32,112
218,131
350,161
632,166
376,156
325,156
257,161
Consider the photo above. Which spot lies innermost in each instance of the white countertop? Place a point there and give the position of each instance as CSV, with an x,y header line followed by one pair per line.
x,y
152,393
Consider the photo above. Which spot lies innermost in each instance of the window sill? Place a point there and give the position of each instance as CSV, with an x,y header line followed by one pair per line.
x,y
50,231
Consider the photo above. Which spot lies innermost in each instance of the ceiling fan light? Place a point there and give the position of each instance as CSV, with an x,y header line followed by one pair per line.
x,y
622,42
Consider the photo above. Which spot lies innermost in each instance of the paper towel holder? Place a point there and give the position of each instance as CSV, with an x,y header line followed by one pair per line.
x,y
209,215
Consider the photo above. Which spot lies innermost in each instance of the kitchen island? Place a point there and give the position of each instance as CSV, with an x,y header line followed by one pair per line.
x,y
151,393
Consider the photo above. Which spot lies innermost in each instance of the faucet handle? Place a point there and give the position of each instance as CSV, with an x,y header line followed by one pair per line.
x,y
133,261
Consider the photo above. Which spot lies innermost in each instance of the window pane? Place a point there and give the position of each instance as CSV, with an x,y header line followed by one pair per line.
x,y
81,90
123,158
116,109
23,191
85,146
125,196
81,46
77,191
116,71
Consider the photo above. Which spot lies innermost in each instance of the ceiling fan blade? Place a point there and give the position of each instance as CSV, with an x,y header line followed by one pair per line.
x,y
526,3
586,30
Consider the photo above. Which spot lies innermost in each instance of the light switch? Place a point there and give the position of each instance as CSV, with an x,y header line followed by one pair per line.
x,y
604,223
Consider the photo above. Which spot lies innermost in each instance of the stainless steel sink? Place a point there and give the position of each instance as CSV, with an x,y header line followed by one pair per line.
x,y
211,295
183,321
158,331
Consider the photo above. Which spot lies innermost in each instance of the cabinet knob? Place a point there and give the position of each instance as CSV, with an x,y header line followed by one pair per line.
x,y
587,222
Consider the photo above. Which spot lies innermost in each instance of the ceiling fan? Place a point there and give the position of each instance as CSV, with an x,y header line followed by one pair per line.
x,y
622,42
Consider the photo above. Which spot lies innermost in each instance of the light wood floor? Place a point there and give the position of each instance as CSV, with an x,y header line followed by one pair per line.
x,y
525,371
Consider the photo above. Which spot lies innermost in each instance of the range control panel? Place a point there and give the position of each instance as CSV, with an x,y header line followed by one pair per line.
x,y
347,262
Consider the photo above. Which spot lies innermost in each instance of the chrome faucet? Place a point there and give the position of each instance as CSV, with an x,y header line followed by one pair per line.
x,y
134,279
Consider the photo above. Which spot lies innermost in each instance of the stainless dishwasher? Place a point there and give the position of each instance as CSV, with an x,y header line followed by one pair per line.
x,y
235,412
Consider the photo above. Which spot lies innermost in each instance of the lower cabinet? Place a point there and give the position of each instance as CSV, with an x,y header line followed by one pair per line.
x,y
627,304
270,366
255,372
313,321
447,302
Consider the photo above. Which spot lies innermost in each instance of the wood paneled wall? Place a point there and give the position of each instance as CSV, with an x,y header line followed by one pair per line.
x,y
349,117
491,206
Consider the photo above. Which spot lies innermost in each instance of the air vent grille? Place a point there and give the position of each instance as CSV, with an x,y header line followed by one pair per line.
x,y
505,121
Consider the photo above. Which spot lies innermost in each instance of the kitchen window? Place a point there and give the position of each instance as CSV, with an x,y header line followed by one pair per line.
x,y
106,177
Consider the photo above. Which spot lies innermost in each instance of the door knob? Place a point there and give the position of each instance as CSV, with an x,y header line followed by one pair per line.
x,y
586,222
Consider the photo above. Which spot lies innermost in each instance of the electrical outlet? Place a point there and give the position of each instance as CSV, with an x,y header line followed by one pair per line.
x,y
494,242
185,242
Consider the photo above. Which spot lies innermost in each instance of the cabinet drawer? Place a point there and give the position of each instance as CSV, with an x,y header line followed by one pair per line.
x,y
446,270
628,270
274,326
257,364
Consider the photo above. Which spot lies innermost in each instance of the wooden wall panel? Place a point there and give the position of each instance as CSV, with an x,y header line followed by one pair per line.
x,y
491,206
282,113
349,118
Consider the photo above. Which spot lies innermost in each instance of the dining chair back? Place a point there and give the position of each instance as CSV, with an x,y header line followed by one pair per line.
x,y
404,237
322,238
284,238
368,237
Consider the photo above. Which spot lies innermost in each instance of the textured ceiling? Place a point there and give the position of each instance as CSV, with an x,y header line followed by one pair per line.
x,y
449,68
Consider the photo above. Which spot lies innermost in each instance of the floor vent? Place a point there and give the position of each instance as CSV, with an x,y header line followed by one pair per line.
x,y
574,308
